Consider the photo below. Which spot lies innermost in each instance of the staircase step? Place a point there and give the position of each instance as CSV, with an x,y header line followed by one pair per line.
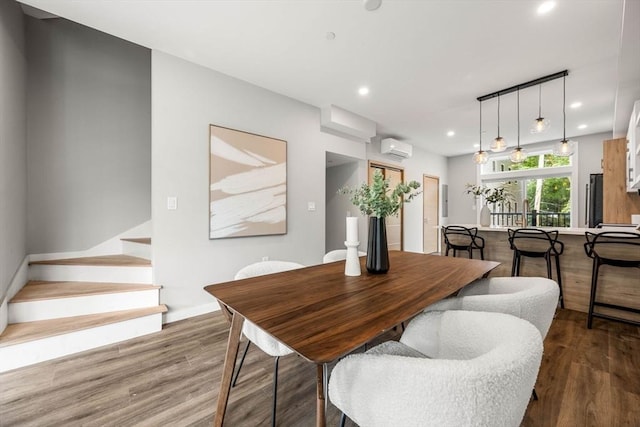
x,y
99,261
36,290
141,240
23,344
107,268
40,300
137,246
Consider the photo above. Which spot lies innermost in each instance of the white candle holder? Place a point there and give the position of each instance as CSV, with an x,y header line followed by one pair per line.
x,y
352,262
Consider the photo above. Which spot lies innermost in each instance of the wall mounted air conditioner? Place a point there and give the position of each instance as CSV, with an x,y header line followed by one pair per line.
x,y
396,148
345,123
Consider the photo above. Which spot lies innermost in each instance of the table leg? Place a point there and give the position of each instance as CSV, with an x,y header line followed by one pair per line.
x,y
320,395
229,364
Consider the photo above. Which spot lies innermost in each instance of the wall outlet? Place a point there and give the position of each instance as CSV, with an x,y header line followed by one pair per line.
x,y
265,258
172,203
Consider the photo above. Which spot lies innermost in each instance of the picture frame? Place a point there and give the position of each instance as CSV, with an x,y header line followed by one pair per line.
x,y
247,184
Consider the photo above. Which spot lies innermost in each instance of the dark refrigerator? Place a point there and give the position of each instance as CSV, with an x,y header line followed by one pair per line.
x,y
594,200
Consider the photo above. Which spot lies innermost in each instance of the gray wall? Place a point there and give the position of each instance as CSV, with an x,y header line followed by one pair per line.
x,y
462,170
186,99
13,151
338,205
89,139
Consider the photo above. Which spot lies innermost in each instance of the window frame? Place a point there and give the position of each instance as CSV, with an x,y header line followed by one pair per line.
x,y
570,171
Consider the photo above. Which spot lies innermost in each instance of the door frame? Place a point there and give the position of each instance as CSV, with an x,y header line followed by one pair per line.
x,y
437,178
382,165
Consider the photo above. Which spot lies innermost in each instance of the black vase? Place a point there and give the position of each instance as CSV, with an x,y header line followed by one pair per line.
x,y
377,251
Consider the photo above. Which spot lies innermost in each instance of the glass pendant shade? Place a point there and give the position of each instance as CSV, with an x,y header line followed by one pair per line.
x,y
480,157
498,145
564,148
539,125
518,155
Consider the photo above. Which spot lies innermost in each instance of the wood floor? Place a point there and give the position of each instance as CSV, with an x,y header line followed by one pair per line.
x,y
587,378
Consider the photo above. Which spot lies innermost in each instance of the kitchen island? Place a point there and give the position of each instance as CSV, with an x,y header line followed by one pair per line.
x,y
616,285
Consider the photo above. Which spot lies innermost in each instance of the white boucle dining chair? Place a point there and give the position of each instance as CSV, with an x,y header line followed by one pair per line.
x,y
530,298
254,334
338,255
533,299
459,368
476,368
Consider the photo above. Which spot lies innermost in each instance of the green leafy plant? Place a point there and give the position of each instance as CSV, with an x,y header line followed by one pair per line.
x,y
491,195
377,199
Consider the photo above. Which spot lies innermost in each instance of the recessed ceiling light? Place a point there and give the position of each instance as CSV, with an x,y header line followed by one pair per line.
x,y
331,35
371,5
363,91
451,133
546,7
577,104
582,126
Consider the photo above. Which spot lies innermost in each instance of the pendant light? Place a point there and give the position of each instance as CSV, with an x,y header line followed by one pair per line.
x,y
540,125
480,157
498,144
518,155
565,147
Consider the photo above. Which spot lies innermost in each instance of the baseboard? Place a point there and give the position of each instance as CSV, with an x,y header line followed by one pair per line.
x,y
173,315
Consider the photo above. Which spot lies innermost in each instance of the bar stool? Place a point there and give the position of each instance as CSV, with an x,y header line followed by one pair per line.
x,y
615,248
536,243
461,238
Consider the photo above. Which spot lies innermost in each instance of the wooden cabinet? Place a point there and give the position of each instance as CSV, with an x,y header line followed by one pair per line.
x,y
618,204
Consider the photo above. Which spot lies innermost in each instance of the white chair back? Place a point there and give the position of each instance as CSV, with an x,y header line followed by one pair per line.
x,y
481,371
264,341
338,255
530,298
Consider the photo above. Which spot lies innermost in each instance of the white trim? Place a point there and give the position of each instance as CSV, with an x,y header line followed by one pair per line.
x,y
17,282
184,313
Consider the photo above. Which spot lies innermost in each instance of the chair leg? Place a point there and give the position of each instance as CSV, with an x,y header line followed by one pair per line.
x,y
244,354
547,258
592,298
534,394
343,418
470,252
513,263
559,281
275,392
482,253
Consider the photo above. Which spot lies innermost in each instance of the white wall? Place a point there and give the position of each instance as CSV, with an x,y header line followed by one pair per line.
x,y
13,146
89,139
421,163
462,170
186,98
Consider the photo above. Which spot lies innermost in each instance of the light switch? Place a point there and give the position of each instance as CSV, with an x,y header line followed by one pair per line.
x,y
311,206
172,203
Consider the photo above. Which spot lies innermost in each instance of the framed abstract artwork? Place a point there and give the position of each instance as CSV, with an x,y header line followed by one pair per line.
x,y
247,184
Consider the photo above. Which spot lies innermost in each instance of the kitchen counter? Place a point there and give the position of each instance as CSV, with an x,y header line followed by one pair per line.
x,y
616,285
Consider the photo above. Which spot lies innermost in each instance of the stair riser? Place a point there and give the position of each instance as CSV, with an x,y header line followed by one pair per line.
x,y
139,250
81,273
77,306
32,352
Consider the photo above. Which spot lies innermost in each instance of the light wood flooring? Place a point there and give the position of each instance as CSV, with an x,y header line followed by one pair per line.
x,y
171,378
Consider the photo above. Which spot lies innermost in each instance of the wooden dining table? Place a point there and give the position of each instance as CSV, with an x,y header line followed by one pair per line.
x,y
321,314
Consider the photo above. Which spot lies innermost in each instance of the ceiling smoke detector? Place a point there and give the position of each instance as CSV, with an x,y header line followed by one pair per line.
x,y
371,5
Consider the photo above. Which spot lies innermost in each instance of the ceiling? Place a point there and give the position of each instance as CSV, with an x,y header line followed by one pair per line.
x,y
425,62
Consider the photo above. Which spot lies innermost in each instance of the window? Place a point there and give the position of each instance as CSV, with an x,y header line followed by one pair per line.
x,y
540,189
